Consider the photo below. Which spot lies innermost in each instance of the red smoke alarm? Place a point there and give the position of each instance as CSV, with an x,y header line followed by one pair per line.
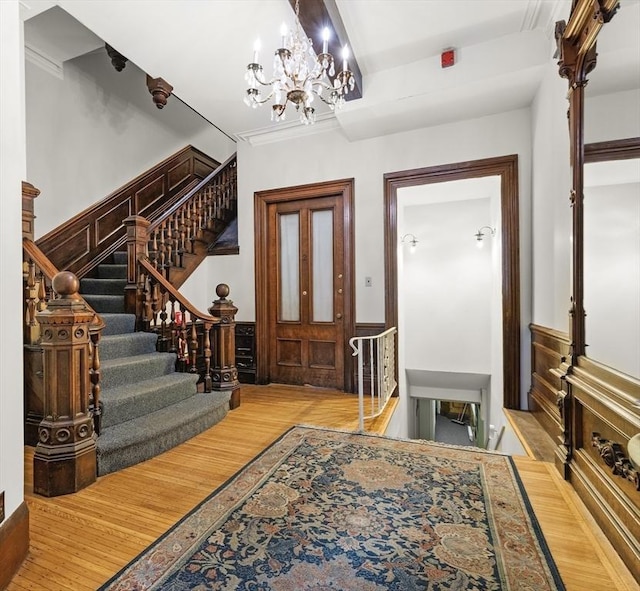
x,y
448,57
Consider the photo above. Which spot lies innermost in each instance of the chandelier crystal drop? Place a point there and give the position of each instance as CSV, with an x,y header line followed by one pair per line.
x,y
299,76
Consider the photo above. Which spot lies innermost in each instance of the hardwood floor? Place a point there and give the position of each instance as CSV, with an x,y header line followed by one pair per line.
x,y
78,541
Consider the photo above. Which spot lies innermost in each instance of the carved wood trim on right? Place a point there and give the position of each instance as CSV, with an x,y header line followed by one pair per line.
x,y
549,350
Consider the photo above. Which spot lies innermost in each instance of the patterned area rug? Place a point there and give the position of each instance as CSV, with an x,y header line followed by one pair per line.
x,y
328,510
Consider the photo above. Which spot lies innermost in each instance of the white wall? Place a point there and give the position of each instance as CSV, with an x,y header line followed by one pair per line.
x,y
12,172
328,155
611,116
551,215
446,287
96,130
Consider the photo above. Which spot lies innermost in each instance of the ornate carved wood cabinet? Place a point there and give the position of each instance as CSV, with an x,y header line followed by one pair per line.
x,y
598,404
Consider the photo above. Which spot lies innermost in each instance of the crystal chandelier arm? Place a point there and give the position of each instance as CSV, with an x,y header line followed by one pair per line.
x,y
264,100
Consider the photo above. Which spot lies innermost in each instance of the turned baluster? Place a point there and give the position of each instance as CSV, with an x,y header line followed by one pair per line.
x,y
145,297
65,456
207,357
45,293
224,373
194,222
199,211
155,297
188,225
173,330
164,339
32,330
193,347
169,257
176,241
226,188
183,347
96,404
210,207
153,248
182,234
162,248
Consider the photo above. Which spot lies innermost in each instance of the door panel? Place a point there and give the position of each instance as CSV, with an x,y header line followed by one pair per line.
x,y
301,338
305,292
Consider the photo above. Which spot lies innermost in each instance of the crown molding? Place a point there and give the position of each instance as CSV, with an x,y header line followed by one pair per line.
x,y
290,130
44,61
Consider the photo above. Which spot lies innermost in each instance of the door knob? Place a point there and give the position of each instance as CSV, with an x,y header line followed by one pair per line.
x,y
338,315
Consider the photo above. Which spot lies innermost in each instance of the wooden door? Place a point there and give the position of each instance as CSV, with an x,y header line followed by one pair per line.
x,y
306,315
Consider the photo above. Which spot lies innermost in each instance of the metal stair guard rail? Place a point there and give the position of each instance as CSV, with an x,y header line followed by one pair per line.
x,y
378,353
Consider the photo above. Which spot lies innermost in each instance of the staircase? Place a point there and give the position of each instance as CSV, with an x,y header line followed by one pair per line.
x,y
148,407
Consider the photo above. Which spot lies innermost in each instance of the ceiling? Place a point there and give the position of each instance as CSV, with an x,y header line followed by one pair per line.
x,y
503,48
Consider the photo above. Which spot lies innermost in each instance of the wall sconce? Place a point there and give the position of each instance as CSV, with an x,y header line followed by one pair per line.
x,y
480,235
412,241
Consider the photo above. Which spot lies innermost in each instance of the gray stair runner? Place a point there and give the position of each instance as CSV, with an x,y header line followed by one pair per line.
x,y
148,407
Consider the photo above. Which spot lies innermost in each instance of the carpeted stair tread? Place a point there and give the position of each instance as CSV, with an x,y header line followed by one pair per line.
x,y
130,401
120,258
127,345
107,271
130,370
103,286
142,438
104,304
118,323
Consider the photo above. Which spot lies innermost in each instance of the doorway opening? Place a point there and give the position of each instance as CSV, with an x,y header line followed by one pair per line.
x,y
506,168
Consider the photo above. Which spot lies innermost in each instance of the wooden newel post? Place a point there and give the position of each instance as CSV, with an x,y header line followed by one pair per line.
x,y
136,245
65,456
29,193
224,373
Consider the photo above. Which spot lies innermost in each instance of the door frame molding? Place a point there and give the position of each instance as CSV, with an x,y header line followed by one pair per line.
x,y
262,200
506,167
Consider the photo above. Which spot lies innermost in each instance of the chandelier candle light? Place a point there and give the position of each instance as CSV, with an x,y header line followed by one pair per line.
x,y
299,75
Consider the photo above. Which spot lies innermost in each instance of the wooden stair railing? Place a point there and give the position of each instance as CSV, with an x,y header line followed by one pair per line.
x,y
182,229
203,343
62,363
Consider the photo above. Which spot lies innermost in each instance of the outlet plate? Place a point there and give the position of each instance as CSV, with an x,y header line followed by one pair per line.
x,y
1,506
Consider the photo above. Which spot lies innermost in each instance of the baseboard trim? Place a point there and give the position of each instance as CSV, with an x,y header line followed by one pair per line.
x,y
14,543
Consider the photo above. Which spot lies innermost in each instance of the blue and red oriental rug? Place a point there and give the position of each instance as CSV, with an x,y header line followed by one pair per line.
x,y
329,510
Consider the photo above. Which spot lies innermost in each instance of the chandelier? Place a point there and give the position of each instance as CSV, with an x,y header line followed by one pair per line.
x,y
299,76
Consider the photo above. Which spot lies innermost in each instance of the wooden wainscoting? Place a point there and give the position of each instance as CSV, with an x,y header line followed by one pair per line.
x,y
549,350
365,329
14,543
76,244
605,417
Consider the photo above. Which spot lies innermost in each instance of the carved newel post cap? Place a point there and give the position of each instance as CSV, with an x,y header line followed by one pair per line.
x,y
66,285
222,290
